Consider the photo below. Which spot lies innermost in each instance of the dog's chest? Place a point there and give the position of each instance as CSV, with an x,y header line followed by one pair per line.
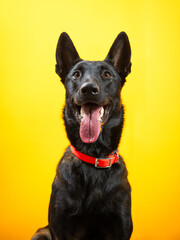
x,y
88,199
84,189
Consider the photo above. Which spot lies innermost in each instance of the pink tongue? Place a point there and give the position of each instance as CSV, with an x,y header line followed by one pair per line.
x,y
90,125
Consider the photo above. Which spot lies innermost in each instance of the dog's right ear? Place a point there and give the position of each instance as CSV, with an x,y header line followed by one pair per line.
x,y
66,55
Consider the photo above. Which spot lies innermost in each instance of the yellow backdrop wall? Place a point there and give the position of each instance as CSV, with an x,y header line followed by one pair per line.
x,y
31,100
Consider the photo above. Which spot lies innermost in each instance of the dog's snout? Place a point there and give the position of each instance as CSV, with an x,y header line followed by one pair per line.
x,y
89,89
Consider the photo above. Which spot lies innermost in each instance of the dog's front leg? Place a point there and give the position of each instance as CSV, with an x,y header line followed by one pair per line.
x,y
63,209
126,217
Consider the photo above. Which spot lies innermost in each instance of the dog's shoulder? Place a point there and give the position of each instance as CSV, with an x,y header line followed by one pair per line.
x,y
66,166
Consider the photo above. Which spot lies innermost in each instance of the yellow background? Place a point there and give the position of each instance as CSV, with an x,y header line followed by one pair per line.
x,y
31,101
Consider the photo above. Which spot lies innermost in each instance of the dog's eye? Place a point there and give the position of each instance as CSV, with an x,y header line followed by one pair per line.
x,y
76,74
107,74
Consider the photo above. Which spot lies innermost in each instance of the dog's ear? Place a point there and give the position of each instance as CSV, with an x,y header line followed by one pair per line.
x,y
120,55
66,55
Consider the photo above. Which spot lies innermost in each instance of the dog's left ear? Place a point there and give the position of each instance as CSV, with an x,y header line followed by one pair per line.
x,y
120,55
66,55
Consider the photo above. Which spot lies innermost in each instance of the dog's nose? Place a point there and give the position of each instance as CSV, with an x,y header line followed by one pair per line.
x,y
89,88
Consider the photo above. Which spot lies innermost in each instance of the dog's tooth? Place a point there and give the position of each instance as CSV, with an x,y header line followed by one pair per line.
x,y
82,112
101,113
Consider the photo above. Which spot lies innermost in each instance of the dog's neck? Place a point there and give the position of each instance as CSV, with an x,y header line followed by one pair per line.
x,y
107,141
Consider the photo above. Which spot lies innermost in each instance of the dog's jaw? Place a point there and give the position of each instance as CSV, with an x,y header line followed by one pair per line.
x,y
108,138
91,117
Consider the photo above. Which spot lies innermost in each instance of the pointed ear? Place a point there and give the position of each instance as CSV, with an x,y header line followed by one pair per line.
x,y
66,55
120,55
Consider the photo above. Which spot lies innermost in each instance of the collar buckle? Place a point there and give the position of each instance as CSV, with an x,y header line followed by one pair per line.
x,y
97,162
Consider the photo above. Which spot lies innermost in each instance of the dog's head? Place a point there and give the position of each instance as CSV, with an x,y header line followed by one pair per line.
x,y
93,87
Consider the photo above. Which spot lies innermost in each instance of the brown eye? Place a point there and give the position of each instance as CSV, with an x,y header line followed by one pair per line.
x,y
107,74
76,74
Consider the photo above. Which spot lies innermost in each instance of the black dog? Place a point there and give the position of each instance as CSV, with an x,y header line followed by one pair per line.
x,y
91,196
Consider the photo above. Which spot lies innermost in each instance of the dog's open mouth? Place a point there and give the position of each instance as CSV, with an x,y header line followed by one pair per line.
x,y
91,116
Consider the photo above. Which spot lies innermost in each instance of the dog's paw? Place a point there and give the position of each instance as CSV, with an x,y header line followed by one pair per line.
x,y
39,237
42,234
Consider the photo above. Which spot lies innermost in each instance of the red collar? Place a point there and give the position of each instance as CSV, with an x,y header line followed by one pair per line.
x,y
97,162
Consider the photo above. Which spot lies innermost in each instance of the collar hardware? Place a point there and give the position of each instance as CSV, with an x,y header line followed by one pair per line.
x,y
97,162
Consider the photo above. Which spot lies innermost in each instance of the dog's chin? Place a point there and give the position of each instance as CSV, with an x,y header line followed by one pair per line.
x,y
91,117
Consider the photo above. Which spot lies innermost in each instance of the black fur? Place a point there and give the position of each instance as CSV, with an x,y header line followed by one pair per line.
x,y
89,203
